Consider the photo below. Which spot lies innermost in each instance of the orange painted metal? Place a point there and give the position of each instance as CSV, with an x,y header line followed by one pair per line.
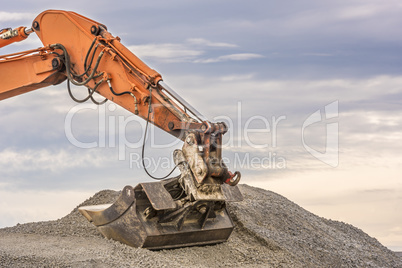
x,y
26,71
125,71
12,36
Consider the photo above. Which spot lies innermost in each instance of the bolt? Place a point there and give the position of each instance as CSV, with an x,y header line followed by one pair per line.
x,y
35,25
94,30
198,171
55,63
214,161
189,140
203,188
128,192
202,209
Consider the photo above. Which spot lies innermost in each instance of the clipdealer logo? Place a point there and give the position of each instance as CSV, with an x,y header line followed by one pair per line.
x,y
330,156
112,132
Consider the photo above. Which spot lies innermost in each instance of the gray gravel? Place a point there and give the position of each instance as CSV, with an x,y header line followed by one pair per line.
x,y
271,231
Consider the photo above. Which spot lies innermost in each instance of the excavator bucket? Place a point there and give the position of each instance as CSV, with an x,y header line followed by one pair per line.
x,y
160,215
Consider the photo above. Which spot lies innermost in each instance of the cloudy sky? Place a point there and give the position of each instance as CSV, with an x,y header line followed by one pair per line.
x,y
312,92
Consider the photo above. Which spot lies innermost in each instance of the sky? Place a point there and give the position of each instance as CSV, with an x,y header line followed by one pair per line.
x,y
311,91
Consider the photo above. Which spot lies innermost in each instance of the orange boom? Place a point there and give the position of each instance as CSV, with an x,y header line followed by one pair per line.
x,y
186,210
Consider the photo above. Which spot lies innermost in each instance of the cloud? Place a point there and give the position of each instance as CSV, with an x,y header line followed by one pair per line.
x,y
362,11
166,52
15,16
191,50
48,160
238,77
368,127
318,54
204,42
231,57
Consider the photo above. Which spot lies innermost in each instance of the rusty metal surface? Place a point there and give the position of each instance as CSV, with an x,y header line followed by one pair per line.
x,y
133,230
127,229
193,158
194,223
210,190
185,226
232,193
157,195
176,212
111,213
214,231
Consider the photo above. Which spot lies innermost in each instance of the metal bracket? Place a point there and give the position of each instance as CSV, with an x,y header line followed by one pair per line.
x,y
194,159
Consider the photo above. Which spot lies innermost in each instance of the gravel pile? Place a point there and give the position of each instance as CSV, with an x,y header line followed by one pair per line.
x,y
271,231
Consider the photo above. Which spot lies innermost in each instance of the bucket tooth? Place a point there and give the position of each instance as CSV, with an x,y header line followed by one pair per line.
x,y
148,216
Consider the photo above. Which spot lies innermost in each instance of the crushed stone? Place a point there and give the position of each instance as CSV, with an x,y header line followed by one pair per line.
x,y
270,231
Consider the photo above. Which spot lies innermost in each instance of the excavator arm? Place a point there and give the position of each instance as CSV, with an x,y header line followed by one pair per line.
x,y
91,57
186,210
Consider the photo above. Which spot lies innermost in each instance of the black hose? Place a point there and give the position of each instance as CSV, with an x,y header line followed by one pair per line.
x,y
91,76
95,101
143,145
90,92
119,93
67,63
86,59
